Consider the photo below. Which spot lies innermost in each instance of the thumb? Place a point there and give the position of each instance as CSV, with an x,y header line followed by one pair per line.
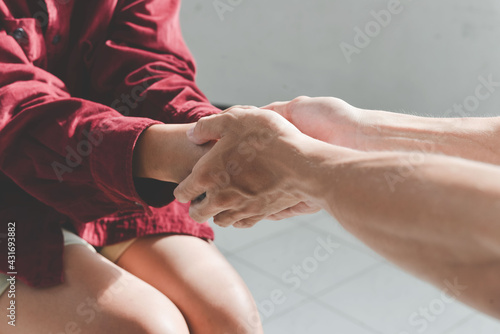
x,y
189,189
207,129
279,107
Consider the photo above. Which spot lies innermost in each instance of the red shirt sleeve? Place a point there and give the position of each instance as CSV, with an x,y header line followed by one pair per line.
x,y
143,67
71,154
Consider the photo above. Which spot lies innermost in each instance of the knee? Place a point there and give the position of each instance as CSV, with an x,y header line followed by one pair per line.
x,y
156,324
146,312
152,323
238,317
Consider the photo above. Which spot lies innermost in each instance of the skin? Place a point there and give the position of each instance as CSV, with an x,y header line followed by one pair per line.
x,y
209,293
159,146
160,285
114,301
336,122
433,212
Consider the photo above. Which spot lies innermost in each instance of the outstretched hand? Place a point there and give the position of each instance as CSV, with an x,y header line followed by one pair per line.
x,y
328,119
251,173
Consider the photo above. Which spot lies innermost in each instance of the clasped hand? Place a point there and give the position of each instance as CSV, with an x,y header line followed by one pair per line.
x,y
253,170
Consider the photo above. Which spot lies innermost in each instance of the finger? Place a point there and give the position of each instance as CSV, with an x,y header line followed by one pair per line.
x,y
208,129
229,217
202,211
285,108
281,108
217,203
282,215
302,208
200,180
247,223
275,105
238,107
190,189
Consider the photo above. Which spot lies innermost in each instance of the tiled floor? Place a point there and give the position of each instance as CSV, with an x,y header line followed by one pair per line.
x,y
309,276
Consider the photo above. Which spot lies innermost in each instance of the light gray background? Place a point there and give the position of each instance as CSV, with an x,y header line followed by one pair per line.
x,y
428,58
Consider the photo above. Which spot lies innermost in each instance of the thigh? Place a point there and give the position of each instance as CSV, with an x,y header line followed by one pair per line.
x,y
96,297
198,279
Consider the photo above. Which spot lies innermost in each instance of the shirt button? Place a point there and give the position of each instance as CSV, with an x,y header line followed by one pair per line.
x,y
56,39
19,34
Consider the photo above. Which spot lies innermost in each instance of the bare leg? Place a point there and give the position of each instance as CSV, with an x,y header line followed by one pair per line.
x,y
198,279
97,297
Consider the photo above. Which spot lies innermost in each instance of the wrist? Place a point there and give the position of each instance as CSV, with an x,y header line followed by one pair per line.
x,y
142,162
163,152
316,167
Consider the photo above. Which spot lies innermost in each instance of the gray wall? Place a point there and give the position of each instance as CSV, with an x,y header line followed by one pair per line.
x,y
425,59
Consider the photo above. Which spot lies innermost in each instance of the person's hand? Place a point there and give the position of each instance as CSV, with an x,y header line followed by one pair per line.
x,y
251,173
327,119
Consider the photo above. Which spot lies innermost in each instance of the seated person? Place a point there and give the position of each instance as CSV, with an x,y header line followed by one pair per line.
x,y
95,100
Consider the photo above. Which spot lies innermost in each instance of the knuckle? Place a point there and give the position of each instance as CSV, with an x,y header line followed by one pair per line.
x,y
180,194
295,102
202,124
300,99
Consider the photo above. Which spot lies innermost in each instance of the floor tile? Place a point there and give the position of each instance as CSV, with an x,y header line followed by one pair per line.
x,y
272,297
312,318
307,260
478,324
391,301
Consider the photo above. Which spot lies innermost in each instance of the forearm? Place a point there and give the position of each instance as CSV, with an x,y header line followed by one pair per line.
x,y
163,152
470,138
440,223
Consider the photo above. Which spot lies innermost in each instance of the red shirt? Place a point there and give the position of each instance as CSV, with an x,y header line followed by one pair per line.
x,y
79,82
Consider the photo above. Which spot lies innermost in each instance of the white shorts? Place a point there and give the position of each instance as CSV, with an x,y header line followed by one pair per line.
x,y
112,252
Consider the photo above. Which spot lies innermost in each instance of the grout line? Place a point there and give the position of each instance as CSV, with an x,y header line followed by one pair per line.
x,y
460,322
348,317
300,290
308,297
328,308
349,279
288,310
258,269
